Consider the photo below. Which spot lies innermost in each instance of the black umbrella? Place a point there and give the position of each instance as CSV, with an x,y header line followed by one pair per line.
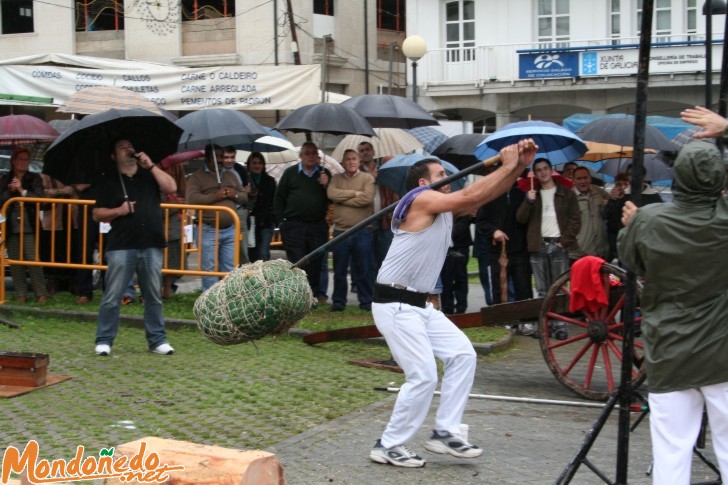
x,y
335,119
219,126
460,149
83,152
620,131
388,111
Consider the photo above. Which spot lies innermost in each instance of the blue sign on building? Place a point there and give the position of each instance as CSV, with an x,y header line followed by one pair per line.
x,y
543,65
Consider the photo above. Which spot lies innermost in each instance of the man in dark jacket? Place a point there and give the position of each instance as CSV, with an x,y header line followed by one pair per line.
x,y
454,274
680,248
496,223
552,215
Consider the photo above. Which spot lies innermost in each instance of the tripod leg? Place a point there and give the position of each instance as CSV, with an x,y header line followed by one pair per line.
x,y
591,436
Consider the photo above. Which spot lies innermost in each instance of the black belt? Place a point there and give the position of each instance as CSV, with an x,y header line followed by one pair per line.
x,y
398,294
219,227
550,239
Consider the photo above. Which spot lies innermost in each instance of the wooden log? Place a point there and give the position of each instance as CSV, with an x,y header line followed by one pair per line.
x,y
491,316
205,464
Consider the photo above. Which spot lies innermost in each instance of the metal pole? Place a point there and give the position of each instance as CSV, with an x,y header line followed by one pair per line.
x,y
392,46
324,67
723,101
275,32
709,54
630,303
525,400
366,46
414,81
386,210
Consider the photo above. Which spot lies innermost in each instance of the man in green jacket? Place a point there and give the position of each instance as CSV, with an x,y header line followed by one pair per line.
x,y
300,205
680,248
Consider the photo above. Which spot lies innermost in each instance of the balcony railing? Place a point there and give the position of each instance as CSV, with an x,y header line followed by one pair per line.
x,y
499,62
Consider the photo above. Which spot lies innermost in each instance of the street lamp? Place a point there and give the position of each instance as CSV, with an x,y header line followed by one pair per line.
x,y
414,47
710,8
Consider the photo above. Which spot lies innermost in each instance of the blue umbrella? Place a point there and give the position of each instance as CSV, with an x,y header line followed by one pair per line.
x,y
393,173
430,137
555,143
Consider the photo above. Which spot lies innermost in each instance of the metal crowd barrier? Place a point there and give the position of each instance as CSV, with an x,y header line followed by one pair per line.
x,y
78,214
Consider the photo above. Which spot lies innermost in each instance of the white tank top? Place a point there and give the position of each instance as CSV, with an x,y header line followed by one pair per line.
x,y
415,259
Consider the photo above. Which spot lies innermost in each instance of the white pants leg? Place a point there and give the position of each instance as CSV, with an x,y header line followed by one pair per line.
x,y
456,352
716,401
415,337
675,419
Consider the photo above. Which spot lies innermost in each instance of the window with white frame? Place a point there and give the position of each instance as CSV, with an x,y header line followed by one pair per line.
x,y
553,23
615,28
17,16
661,18
691,19
323,7
460,30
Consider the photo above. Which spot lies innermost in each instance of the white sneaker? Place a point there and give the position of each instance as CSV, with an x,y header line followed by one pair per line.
x,y
163,349
103,349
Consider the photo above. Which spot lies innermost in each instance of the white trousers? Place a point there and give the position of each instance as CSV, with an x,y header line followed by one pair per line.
x,y
675,419
416,336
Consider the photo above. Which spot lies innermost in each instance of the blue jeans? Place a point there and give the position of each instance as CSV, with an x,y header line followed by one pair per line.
x,y
302,238
357,249
147,263
263,236
547,265
220,244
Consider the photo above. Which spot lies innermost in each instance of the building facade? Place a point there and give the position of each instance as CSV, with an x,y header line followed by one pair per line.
x,y
493,62
488,62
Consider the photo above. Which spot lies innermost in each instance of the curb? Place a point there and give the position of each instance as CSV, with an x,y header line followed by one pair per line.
x,y
7,312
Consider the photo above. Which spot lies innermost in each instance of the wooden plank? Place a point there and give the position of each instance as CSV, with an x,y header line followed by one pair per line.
x,y
462,320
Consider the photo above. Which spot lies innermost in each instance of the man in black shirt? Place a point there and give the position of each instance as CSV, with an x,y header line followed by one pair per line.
x,y
128,199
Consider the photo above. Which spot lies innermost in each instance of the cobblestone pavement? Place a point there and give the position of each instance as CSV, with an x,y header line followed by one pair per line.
x,y
524,443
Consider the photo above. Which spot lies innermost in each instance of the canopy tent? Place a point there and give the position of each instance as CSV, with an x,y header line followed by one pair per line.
x,y
669,127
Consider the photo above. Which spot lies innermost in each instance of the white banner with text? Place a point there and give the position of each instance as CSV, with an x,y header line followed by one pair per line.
x,y
236,87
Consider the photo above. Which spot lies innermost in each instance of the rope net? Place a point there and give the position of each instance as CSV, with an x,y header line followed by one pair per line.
x,y
252,301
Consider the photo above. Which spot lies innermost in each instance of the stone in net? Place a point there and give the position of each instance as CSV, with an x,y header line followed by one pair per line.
x,y
254,300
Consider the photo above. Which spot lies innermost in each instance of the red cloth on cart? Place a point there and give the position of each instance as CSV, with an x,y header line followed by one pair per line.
x,y
587,289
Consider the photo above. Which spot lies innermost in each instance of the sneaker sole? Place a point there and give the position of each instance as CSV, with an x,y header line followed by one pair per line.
x,y
442,448
378,458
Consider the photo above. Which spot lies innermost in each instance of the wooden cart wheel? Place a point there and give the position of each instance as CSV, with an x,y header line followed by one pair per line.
x,y
588,361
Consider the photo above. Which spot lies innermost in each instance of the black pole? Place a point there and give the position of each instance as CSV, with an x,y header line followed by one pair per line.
x,y
630,300
366,46
374,217
625,392
708,10
275,32
414,81
723,101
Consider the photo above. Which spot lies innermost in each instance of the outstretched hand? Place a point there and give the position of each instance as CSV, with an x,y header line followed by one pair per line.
x,y
712,123
527,151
